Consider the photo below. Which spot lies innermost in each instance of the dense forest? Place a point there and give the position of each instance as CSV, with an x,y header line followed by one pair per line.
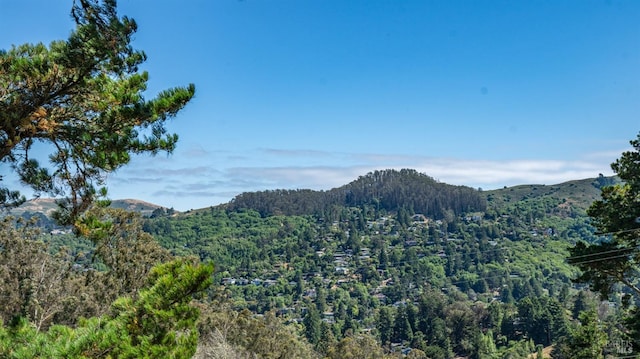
x,y
384,190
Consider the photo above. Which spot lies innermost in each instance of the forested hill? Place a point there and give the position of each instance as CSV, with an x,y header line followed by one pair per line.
x,y
389,190
394,262
401,259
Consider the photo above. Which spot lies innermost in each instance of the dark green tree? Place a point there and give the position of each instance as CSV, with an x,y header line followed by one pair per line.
x,y
582,303
543,319
384,324
327,339
83,98
586,341
311,321
401,327
617,217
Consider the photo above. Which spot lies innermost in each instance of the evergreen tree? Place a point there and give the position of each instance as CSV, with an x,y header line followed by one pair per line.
x,y
84,97
327,340
401,327
383,258
384,324
543,319
617,216
581,304
311,321
586,341
159,323
486,346
321,299
506,295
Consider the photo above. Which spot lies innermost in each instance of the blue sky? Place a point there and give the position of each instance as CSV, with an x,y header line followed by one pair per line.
x,y
312,94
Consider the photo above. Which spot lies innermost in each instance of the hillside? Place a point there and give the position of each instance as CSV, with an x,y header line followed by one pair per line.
x,y
46,206
580,193
43,208
396,258
388,190
373,257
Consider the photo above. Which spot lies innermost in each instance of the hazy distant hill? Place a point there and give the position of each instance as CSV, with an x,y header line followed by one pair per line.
x,y
46,206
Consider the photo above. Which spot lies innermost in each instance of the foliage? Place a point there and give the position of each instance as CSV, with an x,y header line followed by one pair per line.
x,y
616,216
542,319
34,284
357,347
160,323
586,340
63,286
226,333
122,247
83,98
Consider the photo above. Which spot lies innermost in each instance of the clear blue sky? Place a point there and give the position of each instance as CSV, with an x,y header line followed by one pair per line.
x,y
312,94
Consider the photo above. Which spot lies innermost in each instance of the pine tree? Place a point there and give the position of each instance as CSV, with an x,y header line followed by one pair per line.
x,y
587,340
581,304
327,339
486,346
384,324
401,327
84,97
617,216
311,323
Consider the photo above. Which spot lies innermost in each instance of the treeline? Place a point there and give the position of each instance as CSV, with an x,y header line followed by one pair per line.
x,y
387,190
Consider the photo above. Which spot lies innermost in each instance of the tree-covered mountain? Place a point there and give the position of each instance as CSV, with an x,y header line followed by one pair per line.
x,y
392,262
443,270
387,190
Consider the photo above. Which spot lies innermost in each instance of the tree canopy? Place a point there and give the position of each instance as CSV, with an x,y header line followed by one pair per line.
x,y
617,217
82,97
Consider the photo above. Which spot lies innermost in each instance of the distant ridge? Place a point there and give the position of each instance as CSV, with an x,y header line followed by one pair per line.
x,y
389,190
46,206
136,205
580,193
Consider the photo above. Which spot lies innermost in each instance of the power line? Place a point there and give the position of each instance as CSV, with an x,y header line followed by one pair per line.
x,y
601,253
601,259
618,232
